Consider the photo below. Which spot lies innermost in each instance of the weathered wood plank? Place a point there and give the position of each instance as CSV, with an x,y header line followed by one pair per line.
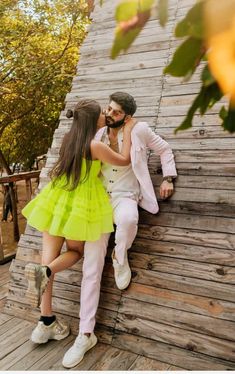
x,y
43,359
202,169
187,236
191,181
4,318
17,355
183,251
35,355
4,291
202,195
180,283
144,102
187,321
2,303
113,76
197,342
203,156
218,144
196,132
115,359
14,336
8,324
144,363
140,48
4,277
214,224
200,305
123,66
184,358
182,100
195,208
187,268
147,38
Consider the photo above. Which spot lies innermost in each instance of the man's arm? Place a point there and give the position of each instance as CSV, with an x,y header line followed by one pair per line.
x,y
162,148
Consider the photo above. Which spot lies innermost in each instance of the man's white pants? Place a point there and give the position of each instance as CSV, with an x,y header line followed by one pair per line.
x,y
126,219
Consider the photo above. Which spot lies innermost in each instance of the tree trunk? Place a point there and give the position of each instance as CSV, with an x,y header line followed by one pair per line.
x,y
4,163
13,198
14,212
1,247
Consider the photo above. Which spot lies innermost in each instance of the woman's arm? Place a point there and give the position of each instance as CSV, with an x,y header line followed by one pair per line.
x,y
102,152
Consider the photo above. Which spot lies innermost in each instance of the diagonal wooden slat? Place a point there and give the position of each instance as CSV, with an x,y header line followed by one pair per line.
x,y
178,312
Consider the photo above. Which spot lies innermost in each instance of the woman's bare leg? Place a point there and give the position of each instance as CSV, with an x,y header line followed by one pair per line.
x,y
51,257
69,258
51,247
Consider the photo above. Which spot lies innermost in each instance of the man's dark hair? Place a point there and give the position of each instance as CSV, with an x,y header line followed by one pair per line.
x,y
125,100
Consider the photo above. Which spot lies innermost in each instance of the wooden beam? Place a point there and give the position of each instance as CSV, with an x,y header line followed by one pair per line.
x,y
28,189
20,176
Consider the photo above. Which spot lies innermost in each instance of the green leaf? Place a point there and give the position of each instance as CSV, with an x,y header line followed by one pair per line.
x,y
192,24
206,76
229,119
163,12
123,41
129,9
186,58
223,113
145,5
206,98
101,2
126,10
187,122
209,96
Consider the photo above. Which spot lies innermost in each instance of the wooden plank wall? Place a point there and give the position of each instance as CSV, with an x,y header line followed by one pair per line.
x,y
180,306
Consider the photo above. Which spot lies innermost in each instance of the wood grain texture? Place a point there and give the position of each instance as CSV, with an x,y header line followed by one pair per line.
x,y
179,311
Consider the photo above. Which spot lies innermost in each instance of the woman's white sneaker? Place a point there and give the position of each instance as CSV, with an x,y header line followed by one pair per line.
x,y
57,331
76,353
37,283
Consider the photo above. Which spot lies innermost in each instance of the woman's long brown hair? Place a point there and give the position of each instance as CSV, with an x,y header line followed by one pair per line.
x,y
76,144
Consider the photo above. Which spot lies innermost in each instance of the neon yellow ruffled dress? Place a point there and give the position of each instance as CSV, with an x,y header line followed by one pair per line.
x,y
81,214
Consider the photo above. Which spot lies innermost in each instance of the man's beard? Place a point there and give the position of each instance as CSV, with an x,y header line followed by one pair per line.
x,y
112,124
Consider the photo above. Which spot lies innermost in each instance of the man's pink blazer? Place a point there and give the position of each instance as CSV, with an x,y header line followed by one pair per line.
x,y
143,138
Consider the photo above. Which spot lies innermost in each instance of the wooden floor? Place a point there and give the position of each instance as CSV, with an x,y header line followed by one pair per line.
x,y
17,352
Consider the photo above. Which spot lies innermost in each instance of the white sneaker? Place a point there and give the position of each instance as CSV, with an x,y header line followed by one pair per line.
x,y
37,282
57,331
122,273
76,353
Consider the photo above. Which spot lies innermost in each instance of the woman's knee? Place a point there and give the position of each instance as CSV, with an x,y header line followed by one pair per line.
x,y
75,246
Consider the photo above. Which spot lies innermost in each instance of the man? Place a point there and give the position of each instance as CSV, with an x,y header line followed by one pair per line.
x,y
128,187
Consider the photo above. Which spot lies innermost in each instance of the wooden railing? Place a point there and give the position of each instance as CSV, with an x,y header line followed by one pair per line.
x,y
11,180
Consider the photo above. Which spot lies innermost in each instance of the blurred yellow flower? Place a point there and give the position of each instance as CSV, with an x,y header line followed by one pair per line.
x,y
221,58
220,35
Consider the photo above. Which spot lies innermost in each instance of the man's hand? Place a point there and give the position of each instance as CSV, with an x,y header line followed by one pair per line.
x,y
166,189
